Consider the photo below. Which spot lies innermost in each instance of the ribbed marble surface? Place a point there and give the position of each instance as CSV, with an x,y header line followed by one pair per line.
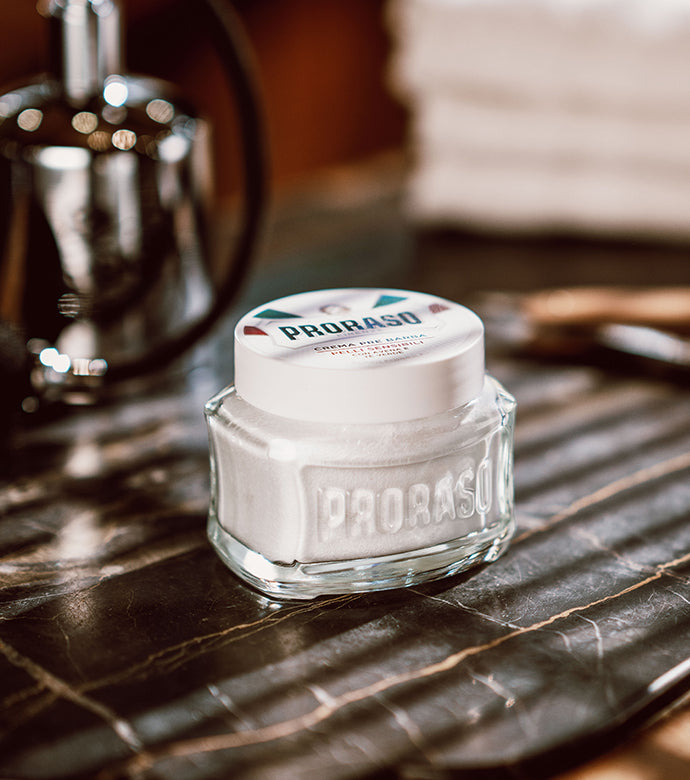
x,y
126,645
128,650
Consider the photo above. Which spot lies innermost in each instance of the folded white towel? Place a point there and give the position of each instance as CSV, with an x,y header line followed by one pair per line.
x,y
631,54
519,195
648,143
531,114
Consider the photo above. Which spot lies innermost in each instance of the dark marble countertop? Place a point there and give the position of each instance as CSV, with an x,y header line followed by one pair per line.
x,y
127,649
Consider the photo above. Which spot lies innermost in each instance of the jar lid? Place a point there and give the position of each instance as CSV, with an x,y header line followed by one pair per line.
x,y
359,355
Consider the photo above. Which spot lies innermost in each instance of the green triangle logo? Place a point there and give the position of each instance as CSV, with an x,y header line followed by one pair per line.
x,y
274,314
386,300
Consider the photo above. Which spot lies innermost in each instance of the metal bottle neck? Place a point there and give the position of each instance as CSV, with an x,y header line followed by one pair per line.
x,y
86,44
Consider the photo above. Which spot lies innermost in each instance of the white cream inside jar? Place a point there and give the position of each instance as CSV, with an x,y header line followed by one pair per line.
x,y
362,446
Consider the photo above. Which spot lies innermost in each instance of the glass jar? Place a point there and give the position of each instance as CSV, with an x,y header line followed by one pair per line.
x,y
362,446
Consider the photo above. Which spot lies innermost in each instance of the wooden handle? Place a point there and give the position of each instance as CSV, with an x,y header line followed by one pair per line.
x,y
667,308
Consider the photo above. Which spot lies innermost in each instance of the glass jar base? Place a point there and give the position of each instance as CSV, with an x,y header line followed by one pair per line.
x,y
310,580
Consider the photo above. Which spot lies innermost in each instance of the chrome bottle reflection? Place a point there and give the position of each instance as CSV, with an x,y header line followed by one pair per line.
x,y
104,182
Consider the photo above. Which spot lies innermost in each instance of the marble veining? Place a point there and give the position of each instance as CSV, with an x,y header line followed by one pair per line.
x,y
128,650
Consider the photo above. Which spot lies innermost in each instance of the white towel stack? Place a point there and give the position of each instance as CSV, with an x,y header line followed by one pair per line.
x,y
547,114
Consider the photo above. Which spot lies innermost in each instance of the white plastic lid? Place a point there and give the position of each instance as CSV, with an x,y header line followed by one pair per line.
x,y
359,355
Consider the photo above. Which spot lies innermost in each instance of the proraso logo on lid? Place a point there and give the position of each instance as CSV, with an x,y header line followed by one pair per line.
x,y
359,355
345,320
